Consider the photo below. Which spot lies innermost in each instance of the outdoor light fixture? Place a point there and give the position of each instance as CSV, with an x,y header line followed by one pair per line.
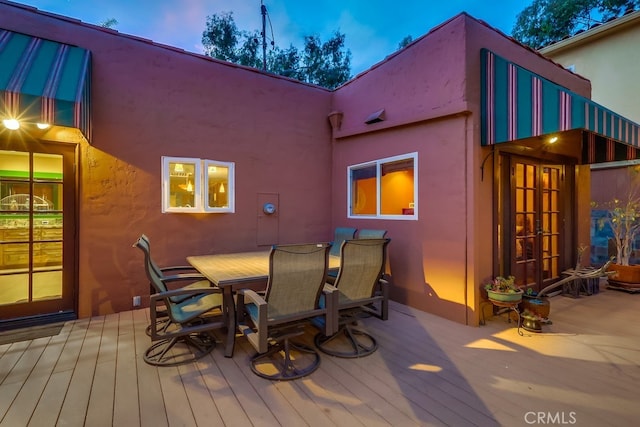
x,y
43,125
553,140
12,124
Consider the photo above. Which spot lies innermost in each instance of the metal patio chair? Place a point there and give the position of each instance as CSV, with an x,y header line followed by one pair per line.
x,y
367,233
270,322
340,235
193,316
361,291
179,276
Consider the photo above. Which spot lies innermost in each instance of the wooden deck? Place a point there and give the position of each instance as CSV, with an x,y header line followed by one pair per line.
x,y
583,370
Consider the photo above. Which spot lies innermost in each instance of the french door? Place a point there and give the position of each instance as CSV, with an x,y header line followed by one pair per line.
x,y
534,222
37,231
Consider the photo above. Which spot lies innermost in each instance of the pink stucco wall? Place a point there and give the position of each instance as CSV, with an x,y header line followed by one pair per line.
x,y
431,95
151,101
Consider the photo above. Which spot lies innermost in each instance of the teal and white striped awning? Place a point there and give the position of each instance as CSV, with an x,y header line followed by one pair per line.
x,y
517,104
42,81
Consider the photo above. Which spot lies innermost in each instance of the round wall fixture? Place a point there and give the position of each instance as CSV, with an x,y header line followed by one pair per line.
x,y
269,208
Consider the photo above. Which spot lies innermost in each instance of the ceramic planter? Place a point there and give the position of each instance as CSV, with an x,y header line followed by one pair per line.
x,y
540,306
505,296
629,274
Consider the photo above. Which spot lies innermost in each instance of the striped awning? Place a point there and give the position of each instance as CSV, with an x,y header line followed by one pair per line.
x,y
517,104
42,81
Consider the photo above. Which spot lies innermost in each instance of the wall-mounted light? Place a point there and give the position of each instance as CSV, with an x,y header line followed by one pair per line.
x,y
43,126
553,140
11,124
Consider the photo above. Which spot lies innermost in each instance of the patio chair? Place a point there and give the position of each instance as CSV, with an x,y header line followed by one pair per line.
x,y
361,291
270,322
144,244
193,315
341,234
180,276
371,234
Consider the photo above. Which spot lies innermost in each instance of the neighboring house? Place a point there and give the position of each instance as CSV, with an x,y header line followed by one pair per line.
x,y
472,150
607,55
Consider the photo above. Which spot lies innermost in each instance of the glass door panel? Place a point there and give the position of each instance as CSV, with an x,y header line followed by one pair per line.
x,y
36,266
536,242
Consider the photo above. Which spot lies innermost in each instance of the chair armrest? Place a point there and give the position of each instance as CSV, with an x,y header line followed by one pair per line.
x,y
258,338
183,276
253,296
332,315
328,288
179,267
184,292
384,305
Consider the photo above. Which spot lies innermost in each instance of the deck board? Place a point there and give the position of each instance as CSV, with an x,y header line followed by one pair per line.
x,y
427,371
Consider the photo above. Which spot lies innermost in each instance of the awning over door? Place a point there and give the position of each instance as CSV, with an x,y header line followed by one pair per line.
x,y
517,104
42,81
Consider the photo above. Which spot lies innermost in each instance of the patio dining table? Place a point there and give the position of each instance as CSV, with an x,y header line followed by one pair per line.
x,y
234,271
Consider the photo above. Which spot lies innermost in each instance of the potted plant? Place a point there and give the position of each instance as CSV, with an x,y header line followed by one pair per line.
x,y
503,289
623,218
537,305
531,321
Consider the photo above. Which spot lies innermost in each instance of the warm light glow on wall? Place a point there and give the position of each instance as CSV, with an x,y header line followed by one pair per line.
x,y
12,124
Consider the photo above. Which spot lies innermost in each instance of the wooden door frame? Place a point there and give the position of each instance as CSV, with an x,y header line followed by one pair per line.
x,y
70,153
504,215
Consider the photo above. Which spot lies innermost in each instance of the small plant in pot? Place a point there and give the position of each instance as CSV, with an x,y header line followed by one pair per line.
x,y
539,306
503,289
531,321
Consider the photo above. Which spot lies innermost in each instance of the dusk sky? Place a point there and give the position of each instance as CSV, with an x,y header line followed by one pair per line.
x,y
373,28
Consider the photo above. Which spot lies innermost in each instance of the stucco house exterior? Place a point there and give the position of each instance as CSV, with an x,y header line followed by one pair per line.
x,y
445,144
607,54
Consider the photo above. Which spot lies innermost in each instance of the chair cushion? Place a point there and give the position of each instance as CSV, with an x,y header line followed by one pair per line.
x,y
194,307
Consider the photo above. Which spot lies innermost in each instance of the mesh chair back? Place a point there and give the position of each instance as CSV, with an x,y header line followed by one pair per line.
x,y
361,267
145,241
296,278
342,234
154,274
371,234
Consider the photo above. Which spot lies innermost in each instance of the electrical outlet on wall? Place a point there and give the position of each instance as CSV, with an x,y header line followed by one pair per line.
x,y
136,301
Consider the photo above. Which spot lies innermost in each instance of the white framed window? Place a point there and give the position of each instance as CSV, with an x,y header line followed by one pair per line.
x,y
219,186
196,185
385,188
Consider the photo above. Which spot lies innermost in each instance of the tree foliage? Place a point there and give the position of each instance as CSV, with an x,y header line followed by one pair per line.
x,y
406,41
326,64
546,21
109,23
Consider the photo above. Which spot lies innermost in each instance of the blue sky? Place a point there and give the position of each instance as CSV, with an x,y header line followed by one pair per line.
x,y
373,28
